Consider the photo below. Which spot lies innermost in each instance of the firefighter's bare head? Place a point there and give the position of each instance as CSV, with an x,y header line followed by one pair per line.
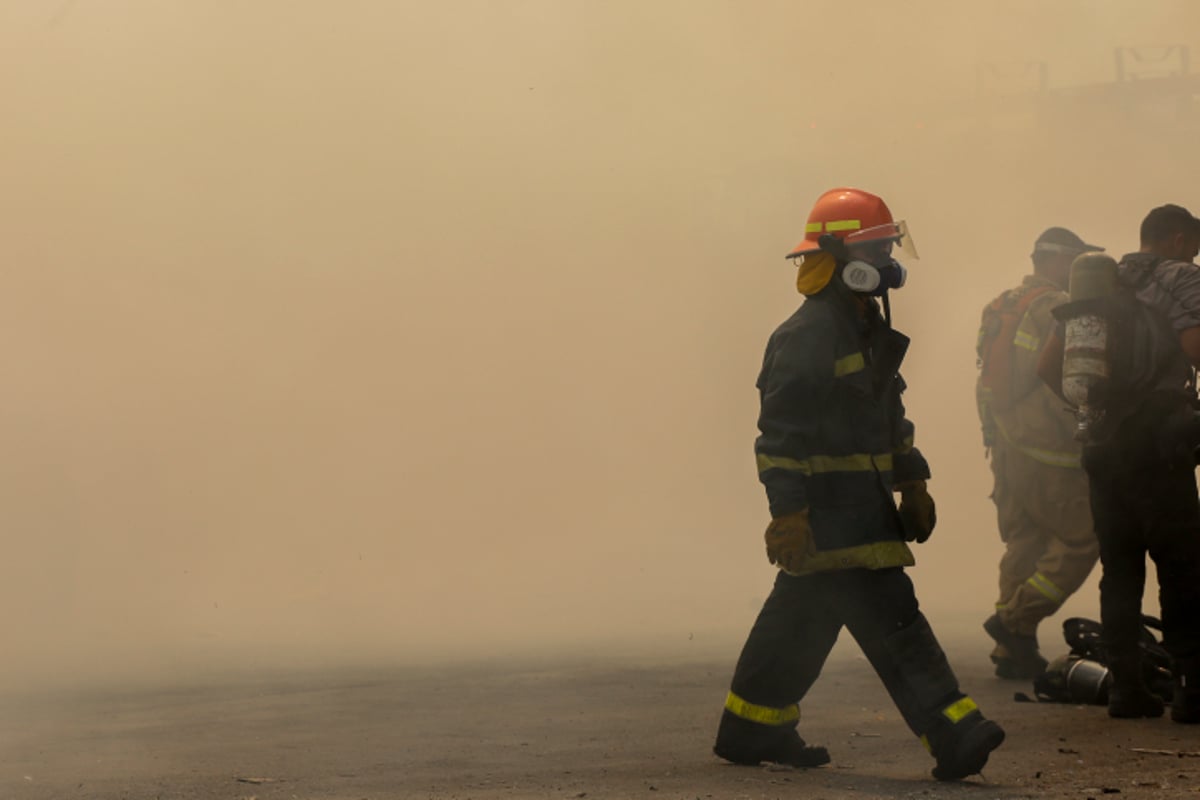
x,y
1171,231
1054,251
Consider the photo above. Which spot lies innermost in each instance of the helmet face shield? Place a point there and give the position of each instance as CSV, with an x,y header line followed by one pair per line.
x,y
888,232
906,242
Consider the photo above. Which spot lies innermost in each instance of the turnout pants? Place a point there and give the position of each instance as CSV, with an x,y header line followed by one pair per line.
x,y
1150,510
798,626
1046,525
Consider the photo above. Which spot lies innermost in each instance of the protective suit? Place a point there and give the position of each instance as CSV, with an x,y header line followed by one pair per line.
x,y
1039,486
834,449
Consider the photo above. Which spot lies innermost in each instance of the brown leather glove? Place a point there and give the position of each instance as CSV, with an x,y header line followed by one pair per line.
x,y
789,539
918,514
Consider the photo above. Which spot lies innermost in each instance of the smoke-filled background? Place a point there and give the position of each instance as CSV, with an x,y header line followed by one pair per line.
x,y
391,331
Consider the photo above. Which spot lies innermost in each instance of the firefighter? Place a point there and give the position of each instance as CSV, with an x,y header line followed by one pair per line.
x,y
1040,489
1140,457
835,448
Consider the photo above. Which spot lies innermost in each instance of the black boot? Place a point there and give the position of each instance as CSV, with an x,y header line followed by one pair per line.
x,y
750,743
962,748
1185,704
1129,697
926,691
1021,659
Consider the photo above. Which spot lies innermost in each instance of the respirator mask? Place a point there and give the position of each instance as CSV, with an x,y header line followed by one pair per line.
x,y
860,276
870,268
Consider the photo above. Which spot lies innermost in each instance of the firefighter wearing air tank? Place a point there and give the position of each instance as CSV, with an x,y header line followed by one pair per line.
x,y
1126,359
1039,487
835,451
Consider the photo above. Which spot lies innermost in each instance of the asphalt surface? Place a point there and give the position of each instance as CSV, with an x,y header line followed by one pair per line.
x,y
567,728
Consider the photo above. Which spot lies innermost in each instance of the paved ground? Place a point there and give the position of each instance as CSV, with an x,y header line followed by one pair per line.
x,y
631,727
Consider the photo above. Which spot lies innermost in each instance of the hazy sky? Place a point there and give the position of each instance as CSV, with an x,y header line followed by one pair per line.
x,y
409,329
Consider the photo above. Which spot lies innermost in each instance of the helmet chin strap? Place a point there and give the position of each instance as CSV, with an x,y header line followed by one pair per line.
x,y
835,246
887,309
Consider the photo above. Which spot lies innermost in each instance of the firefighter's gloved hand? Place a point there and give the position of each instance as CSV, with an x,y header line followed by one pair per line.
x,y
789,539
918,513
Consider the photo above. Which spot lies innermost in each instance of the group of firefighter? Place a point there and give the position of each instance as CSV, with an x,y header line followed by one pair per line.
x,y
1088,403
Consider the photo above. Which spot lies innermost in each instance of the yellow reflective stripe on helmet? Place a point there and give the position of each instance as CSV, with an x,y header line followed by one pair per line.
x,y
848,365
1046,587
1027,342
843,225
812,227
761,714
959,709
1050,457
815,465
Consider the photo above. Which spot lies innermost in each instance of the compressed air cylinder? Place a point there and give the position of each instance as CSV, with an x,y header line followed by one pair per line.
x,y
1085,357
1093,275
1085,349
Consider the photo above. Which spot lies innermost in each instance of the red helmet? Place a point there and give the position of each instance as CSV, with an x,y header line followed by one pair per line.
x,y
852,215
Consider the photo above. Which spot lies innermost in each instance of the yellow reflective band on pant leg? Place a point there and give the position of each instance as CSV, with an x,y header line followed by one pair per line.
x,y
1042,584
762,714
959,709
925,741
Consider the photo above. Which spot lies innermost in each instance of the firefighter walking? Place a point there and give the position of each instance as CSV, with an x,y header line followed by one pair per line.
x,y
1039,487
835,447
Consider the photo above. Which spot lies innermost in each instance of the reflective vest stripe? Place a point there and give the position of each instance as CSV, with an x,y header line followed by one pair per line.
x,y
1028,342
815,465
874,555
1050,457
849,365
761,714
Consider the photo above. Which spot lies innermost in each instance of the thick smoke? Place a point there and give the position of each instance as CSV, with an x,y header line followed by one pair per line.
x,y
399,331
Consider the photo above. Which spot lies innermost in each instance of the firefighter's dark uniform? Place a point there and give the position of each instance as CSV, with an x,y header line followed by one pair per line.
x,y
834,440
1143,481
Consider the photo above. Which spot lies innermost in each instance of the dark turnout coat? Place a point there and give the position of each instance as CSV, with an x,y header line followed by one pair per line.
x,y
834,438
